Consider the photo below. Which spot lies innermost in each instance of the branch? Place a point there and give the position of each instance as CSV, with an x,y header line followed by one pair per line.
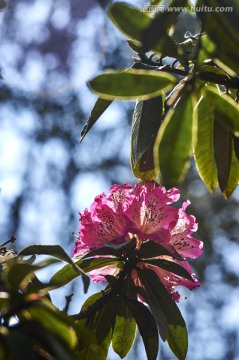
x,y
146,63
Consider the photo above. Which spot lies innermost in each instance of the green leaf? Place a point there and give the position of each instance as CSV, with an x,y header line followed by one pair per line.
x,y
144,168
151,249
173,145
41,336
124,329
170,266
225,106
222,151
127,245
150,297
18,346
99,108
105,320
236,145
90,349
129,20
234,174
160,299
155,37
58,252
206,49
105,250
145,124
147,327
131,84
54,321
68,273
52,250
204,148
146,121
18,275
134,45
226,36
93,343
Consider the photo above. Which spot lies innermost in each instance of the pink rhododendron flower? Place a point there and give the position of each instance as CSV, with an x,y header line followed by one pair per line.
x,y
145,213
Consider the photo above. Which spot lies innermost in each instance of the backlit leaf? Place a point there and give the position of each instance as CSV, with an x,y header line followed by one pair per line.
x,y
233,179
204,148
144,168
174,142
58,252
225,106
131,84
18,275
131,21
226,37
99,108
68,273
124,329
155,37
57,323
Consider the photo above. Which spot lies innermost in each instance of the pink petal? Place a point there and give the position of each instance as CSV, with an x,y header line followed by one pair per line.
x,y
98,274
181,238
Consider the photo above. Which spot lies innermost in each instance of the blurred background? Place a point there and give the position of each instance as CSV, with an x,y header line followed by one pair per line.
x,y
49,49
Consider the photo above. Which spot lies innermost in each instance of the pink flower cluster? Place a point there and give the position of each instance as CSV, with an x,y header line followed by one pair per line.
x,y
143,212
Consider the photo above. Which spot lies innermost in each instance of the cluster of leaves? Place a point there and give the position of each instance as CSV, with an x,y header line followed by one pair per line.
x,y
111,316
32,325
185,106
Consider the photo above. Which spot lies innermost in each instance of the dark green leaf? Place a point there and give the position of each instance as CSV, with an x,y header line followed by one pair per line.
x,y
105,320
90,349
131,84
127,245
52,250
129,20
105,250
41,336
159,298
134,45
206,50
19,346
150,297
99,108
155,37
233,176
225,106
204,148
170,266
68,273
173,146
124,329
55,322
226,37
58,252
94,345
18,275
144,168
222,151
147,327
236,146
150,249
145,124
